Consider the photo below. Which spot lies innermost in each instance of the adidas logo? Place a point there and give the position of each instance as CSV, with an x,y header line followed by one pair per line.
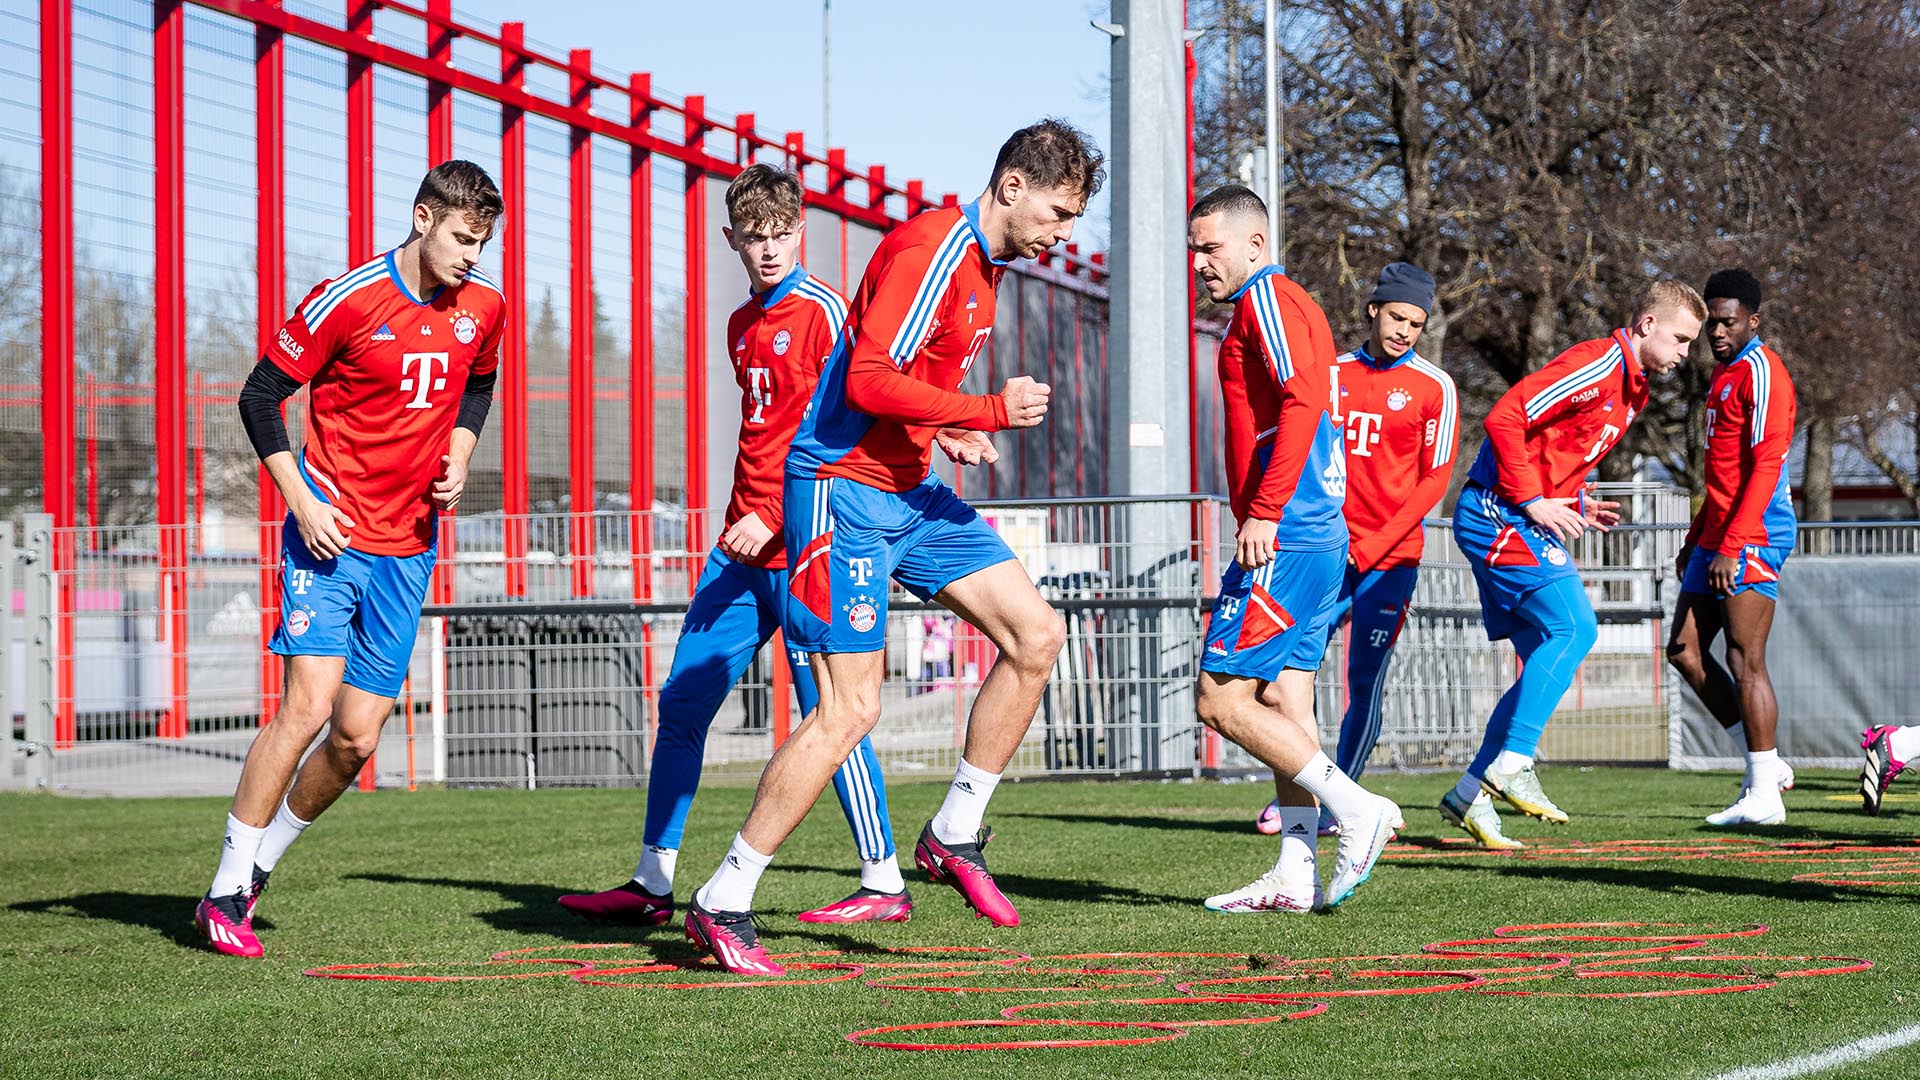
x,y
1329,774
1217,648
383,334
1297,829
963,786
733,861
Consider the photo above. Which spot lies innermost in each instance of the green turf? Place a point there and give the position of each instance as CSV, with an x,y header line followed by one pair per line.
x,y
102,977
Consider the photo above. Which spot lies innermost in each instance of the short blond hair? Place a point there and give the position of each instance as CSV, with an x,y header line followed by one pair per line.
x,y
1669,293
766,196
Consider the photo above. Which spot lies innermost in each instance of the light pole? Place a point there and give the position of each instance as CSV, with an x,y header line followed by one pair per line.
x,y
1274,159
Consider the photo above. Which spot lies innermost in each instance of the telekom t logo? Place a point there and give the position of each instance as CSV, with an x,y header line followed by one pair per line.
x,y
301,580
1363,432
861,569
760,389
421,376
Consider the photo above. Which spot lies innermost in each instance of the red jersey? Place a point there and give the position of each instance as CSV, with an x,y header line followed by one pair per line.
x,y
923,311
1402,426
781,339
1284,459
1750,417
388,372
1549,430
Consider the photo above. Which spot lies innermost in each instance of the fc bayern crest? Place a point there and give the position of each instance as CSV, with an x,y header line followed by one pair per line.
x,y
781,342
1726,392
297,621
1557,556
1397,399
862,616
464,328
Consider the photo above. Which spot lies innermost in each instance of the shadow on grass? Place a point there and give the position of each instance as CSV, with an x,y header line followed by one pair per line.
x,y
1640,876
169,916
1020,886
1211,825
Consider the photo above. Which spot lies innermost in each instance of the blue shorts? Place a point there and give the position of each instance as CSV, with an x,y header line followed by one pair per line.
x,y
360,606
1274,618
1759,571
845,539
1510,555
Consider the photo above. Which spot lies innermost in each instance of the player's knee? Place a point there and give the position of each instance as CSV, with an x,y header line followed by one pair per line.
x,y
303,710
849,716
355,746
1039,645
1584,633
1685,658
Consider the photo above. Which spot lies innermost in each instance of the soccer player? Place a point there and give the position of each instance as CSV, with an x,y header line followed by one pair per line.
x,y
1400,415
1287,476
780,339
1526,498
863,505
1730,564
1890,752
401,354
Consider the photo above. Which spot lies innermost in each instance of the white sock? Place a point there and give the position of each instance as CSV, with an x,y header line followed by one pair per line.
x,y
236,858
1336,790
1468,789
1511,762
1738,733
655,872
958,821
1299,827
1762,767
1904,743
882,875
281,832
731,887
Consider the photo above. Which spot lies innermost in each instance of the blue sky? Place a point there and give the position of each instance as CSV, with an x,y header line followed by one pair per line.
x,y
926,91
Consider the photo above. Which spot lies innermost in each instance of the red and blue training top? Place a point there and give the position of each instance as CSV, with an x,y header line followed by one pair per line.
x,y
1550,429
1750,417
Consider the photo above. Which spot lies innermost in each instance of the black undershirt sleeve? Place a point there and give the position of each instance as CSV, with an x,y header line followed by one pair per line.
x,y
476,401
260,400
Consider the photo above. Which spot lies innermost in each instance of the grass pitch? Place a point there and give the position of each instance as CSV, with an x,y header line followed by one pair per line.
x,y
103,978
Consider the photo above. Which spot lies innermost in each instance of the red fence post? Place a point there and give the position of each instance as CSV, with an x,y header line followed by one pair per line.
x,y
580,295
269,66
696,388
170,344
513,346
439,149
57,467
640,364
359,138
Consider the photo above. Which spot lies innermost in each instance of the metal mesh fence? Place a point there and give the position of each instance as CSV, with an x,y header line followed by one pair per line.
x,y
549,690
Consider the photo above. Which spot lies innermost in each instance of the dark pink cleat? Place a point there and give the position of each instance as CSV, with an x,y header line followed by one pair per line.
x,y
865,905
965,868
627,904
731,938
226,927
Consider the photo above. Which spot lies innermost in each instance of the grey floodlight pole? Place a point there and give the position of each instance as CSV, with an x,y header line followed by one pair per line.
x,y
1274,158
826,73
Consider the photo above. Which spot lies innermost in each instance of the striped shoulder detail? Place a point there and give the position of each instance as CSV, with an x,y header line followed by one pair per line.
x,y
1449,409
1760,378
1569,385
933,284
1266,313
832,304
323,304
479,277
1346,358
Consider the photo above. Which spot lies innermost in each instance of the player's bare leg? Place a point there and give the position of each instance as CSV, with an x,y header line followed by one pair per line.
x,y
804,765
1001,602
1696,625
358,716
305,705
1749,619
1286,739
1698,621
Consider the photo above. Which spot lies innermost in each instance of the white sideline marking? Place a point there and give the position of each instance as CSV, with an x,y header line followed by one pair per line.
x,y
1858,1050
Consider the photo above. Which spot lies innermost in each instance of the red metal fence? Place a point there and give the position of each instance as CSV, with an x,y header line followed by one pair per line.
x,y
196,163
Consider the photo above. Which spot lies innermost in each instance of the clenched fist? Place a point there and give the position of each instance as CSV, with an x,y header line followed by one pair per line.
x,y
1026,401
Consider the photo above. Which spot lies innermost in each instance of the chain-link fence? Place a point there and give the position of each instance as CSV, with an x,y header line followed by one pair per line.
x,y
116,689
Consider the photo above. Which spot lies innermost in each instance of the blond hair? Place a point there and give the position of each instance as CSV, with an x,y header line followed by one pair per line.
x,y
765,196
1668,293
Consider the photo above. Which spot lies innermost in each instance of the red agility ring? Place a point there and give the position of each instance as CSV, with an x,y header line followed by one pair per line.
x,y
382,972
890,982
951,955
1162,1033
1469,982
1015,1011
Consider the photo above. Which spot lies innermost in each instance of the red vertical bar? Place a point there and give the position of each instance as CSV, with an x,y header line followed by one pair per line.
x,y
640,416
513,347
170,344
359,138
1053,484
796,145
197,450
696,399
269,63
837,187
439,94
1080,411
916,197
90,408
744,140
57,467
580,295
877,187
439,149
